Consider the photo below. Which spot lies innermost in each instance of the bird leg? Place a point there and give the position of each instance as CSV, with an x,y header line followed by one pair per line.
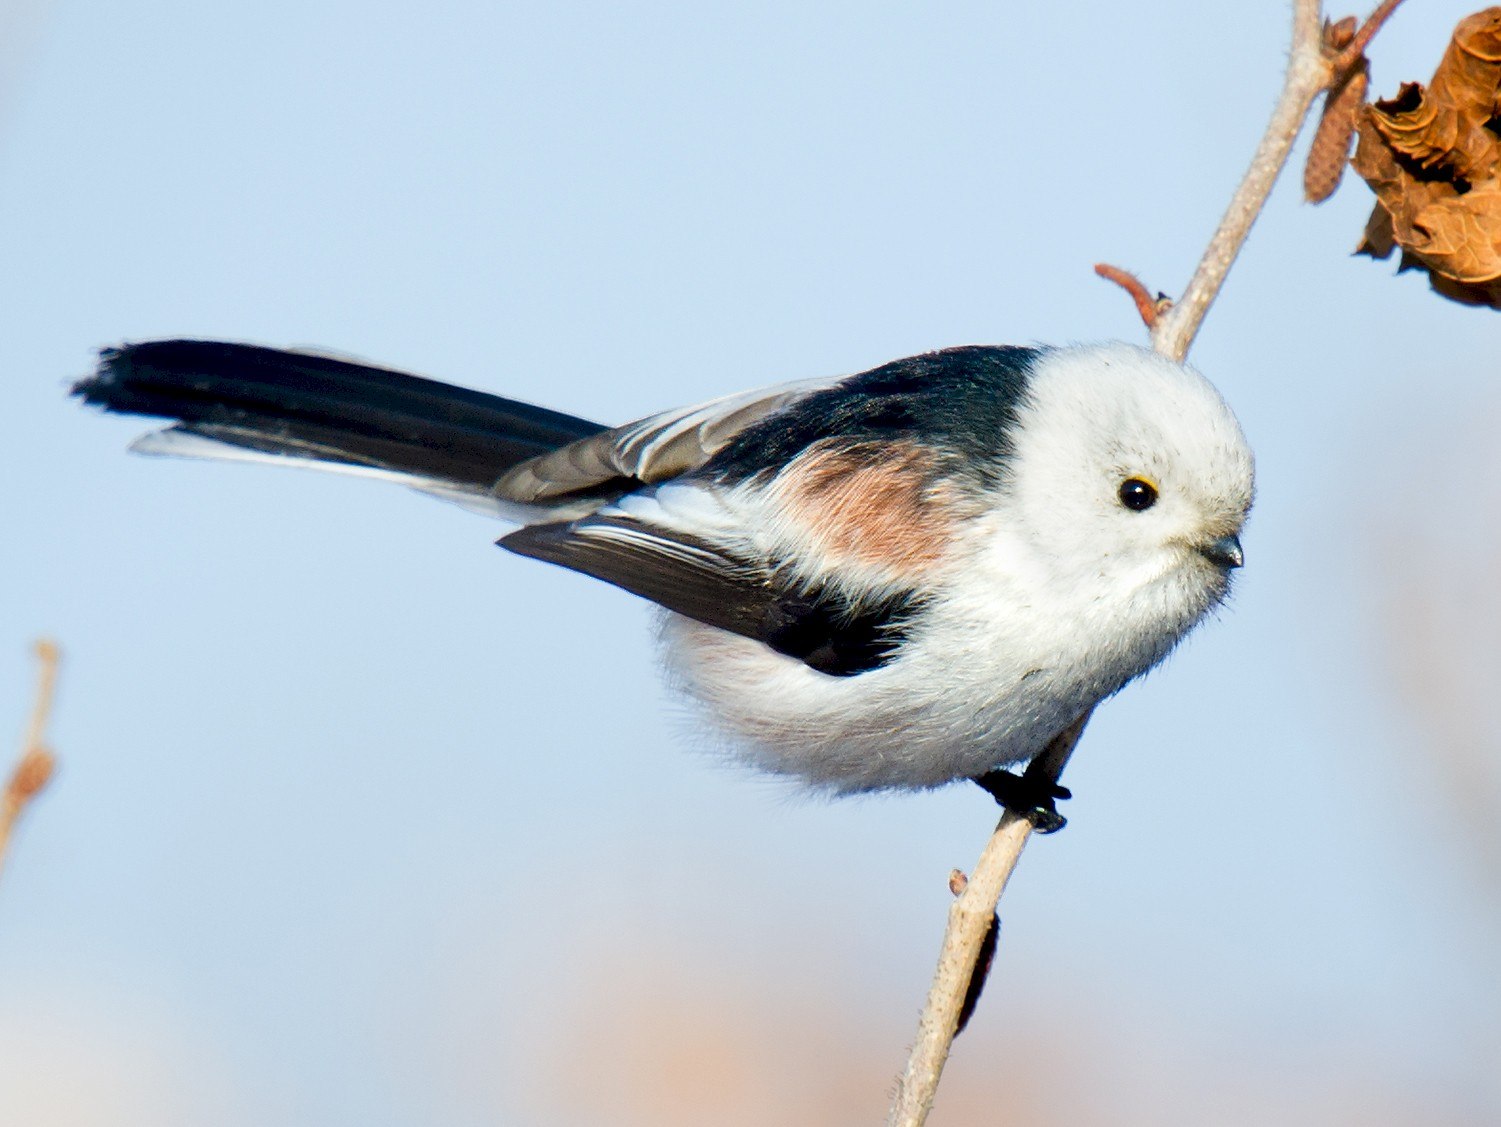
x,y
1026,796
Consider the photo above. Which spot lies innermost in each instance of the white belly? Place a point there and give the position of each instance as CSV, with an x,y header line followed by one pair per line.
x,y
1001,662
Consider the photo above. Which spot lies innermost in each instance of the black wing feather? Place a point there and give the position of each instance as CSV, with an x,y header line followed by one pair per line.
x,y
827,631
682,573
841,638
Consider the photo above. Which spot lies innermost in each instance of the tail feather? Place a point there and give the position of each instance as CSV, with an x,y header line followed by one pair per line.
x,y
311,408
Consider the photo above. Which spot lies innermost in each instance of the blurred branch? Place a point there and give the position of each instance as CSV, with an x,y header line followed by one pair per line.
x,y
1310,71
36,764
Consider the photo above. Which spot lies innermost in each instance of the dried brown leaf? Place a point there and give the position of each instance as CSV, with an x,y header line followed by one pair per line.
x,y
1468,293
1444,127
1433,158
1379,239
1462,234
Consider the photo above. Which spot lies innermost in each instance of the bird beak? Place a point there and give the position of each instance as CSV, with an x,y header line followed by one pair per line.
x,y
1224,552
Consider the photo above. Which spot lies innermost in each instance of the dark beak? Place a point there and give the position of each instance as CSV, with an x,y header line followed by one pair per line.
x,y
1224,552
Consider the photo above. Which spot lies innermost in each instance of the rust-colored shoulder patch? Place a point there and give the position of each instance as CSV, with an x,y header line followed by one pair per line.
x,y
876,504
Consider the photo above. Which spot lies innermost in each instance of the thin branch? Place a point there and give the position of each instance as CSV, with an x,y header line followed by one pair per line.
x,y
1308,75
1148,307
36,764
1309,72
1350,54
970,918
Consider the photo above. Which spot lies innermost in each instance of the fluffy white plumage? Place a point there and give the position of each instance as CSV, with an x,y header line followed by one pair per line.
x,y
1042,606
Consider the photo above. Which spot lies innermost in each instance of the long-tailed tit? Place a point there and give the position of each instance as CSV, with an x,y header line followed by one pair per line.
x,y
921,573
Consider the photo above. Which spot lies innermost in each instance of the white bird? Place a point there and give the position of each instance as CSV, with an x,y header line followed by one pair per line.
x,y
920,573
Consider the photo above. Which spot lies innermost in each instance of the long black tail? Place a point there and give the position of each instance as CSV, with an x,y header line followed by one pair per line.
x,y
308,407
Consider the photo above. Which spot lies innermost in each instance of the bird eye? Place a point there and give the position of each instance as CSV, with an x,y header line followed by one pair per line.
x,y
1137,495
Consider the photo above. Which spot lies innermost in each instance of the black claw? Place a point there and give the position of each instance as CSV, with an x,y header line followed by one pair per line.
x,y
1029,798
1046,821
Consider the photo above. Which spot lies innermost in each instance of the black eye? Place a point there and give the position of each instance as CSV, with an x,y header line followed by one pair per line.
x,y
1137,495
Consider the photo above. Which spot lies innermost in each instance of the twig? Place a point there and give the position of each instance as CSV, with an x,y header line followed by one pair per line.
x,y
36,764
1150,308
1309,72
1350,54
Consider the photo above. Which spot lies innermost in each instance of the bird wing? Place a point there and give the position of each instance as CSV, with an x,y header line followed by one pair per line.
x,y
674,569
724,583
651,450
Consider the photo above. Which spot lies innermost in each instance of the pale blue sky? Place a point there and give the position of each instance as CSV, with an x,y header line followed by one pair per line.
x,y
343,784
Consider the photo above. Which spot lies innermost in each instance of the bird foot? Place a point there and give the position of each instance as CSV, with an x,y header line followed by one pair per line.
x,y
1027,798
